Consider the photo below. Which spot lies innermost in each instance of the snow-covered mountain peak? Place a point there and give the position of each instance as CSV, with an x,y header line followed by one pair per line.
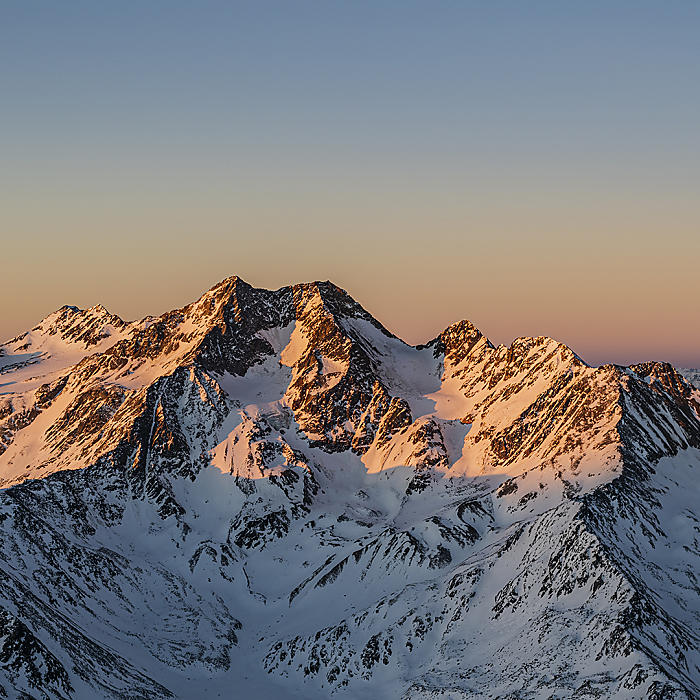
x,y
59,341
73,325
268,491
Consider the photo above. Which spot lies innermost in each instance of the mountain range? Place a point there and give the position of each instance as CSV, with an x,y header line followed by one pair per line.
x,y
266,494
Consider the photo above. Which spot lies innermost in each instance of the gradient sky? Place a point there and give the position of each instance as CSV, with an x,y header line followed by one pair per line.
x,y
532,166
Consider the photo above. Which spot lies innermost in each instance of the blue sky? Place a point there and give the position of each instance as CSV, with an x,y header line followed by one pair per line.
x,y
476,158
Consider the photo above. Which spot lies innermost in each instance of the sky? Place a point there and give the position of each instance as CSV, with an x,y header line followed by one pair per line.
x,y
531,166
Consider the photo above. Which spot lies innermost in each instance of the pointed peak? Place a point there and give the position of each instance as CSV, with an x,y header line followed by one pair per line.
x,y
212,304
224,288
462,328
76,325
228,283
99,309
457,340
525,344
320,293
64,312
68,313
327,297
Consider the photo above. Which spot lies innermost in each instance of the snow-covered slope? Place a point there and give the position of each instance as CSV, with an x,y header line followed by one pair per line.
x,y
691,375
61,340
267,494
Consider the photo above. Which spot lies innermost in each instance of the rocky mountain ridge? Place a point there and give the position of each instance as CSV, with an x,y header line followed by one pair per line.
x,y
267,492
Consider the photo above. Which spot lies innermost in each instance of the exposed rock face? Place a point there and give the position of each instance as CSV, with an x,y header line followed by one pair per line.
x,y
266,493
